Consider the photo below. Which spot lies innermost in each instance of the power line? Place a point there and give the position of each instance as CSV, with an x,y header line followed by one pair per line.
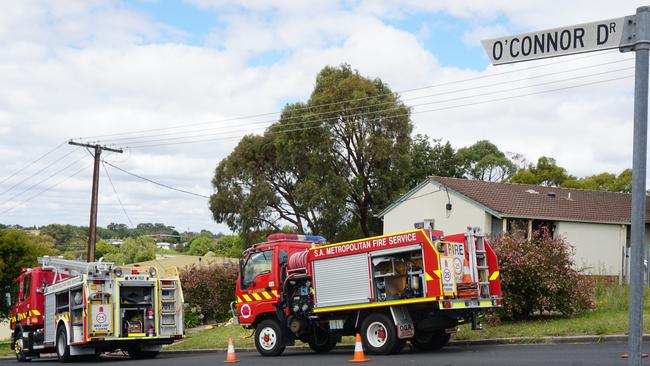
x,y
38,172
361,114
33,162
157,183
117,195
44,180
44,190
397,115
354,99
179,134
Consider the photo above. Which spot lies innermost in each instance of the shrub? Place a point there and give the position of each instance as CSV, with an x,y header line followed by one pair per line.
x,y
539,275
210,288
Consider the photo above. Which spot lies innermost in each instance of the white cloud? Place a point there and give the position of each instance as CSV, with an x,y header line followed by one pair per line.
x,y
94,68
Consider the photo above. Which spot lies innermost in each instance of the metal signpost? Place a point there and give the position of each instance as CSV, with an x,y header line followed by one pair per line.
x,y
630,33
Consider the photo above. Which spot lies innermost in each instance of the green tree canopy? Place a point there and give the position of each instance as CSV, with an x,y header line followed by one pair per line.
x,y
133,250
546,172
603,182
432,159
18,249
200,245
326,164
484,161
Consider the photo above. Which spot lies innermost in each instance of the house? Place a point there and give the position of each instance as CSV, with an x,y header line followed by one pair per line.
x,y
596,223
163,245
115,241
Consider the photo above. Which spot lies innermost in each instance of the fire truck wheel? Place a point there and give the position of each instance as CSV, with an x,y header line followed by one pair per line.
x,y
323,343
62,348
430,341
379,335
19,347
269,338
137,353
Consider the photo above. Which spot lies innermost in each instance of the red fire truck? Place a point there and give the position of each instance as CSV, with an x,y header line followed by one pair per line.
x,y
84,308
411,286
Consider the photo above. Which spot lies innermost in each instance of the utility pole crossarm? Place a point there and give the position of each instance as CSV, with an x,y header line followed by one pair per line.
x,y
92,227
92,146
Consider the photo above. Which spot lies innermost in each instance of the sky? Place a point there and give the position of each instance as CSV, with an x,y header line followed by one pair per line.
x,y
177,83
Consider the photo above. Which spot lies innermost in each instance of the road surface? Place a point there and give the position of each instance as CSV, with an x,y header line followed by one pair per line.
x,y
497,355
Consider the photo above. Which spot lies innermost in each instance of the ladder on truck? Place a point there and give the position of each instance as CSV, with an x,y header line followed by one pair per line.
x,y
74,268
478,264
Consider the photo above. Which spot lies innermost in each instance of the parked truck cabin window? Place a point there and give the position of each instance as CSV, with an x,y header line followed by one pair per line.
x,y
26,287
258,264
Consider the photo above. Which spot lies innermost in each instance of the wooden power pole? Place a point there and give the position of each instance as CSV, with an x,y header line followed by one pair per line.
x,y
92,227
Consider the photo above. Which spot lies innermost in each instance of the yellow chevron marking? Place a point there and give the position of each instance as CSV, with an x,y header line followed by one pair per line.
x,y
256,296
266,295
239,300
428,276
36,312
275,292
494,276
437,273
246,297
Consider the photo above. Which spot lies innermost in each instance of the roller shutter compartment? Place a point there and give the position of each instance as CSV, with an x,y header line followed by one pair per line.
x,y
342,280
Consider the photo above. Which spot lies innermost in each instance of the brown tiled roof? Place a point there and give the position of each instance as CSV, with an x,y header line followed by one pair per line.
x,y
520,200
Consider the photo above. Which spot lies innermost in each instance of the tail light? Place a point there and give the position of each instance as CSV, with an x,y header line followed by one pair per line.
x,y
149,313
150,331
446,304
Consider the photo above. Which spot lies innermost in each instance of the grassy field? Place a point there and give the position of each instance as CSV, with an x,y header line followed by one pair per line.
x,y
5,350
610,317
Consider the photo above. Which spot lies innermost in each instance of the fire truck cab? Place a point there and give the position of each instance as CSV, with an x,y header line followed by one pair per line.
x,y
85,308
414,286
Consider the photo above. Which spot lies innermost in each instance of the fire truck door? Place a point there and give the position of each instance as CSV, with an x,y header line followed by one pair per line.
x,y
257,282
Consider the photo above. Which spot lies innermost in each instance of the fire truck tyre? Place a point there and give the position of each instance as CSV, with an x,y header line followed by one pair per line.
x,y
323,342
137,353
62,348
19,346
379,335
430,341
269,338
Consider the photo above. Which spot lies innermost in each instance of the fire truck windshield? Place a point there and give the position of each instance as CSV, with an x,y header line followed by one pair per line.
x,y
257,264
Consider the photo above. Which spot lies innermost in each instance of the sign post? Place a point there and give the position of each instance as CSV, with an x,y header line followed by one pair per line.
x,y
630,33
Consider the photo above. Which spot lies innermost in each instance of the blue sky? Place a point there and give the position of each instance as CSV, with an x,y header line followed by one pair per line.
x,y
440,33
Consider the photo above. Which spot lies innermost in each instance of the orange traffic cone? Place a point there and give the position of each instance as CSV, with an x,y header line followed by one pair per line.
x,y
230,356
467,277
358,351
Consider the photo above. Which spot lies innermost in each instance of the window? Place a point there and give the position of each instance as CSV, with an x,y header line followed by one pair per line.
x,y
258,263
26,287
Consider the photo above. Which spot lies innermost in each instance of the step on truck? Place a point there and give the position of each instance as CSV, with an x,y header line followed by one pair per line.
x,y
78,308
413,286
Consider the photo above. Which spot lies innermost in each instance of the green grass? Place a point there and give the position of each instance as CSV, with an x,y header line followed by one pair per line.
x,y
5,349
609,317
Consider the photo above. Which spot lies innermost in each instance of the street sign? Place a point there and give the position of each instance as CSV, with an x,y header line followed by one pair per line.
x,y
561,41
631,33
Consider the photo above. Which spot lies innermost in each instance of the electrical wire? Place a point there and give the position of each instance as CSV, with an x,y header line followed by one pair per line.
x,y
396,115
572,59
44,180
136,143
116,194
45,190
33,162
289,118
39,171
156,183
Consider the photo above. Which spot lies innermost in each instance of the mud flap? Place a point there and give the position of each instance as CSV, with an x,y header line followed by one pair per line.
x,y
403,322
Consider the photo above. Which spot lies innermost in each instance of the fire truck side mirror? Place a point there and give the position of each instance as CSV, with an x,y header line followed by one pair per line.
x,y
8,299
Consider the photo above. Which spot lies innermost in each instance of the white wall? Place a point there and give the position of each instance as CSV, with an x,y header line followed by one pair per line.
x,y
433,206
598,246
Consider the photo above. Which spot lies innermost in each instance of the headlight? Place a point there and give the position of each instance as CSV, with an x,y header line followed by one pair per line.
x,y
117,272
152,272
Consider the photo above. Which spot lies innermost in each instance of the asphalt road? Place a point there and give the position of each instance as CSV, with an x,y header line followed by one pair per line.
x,y
542,354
